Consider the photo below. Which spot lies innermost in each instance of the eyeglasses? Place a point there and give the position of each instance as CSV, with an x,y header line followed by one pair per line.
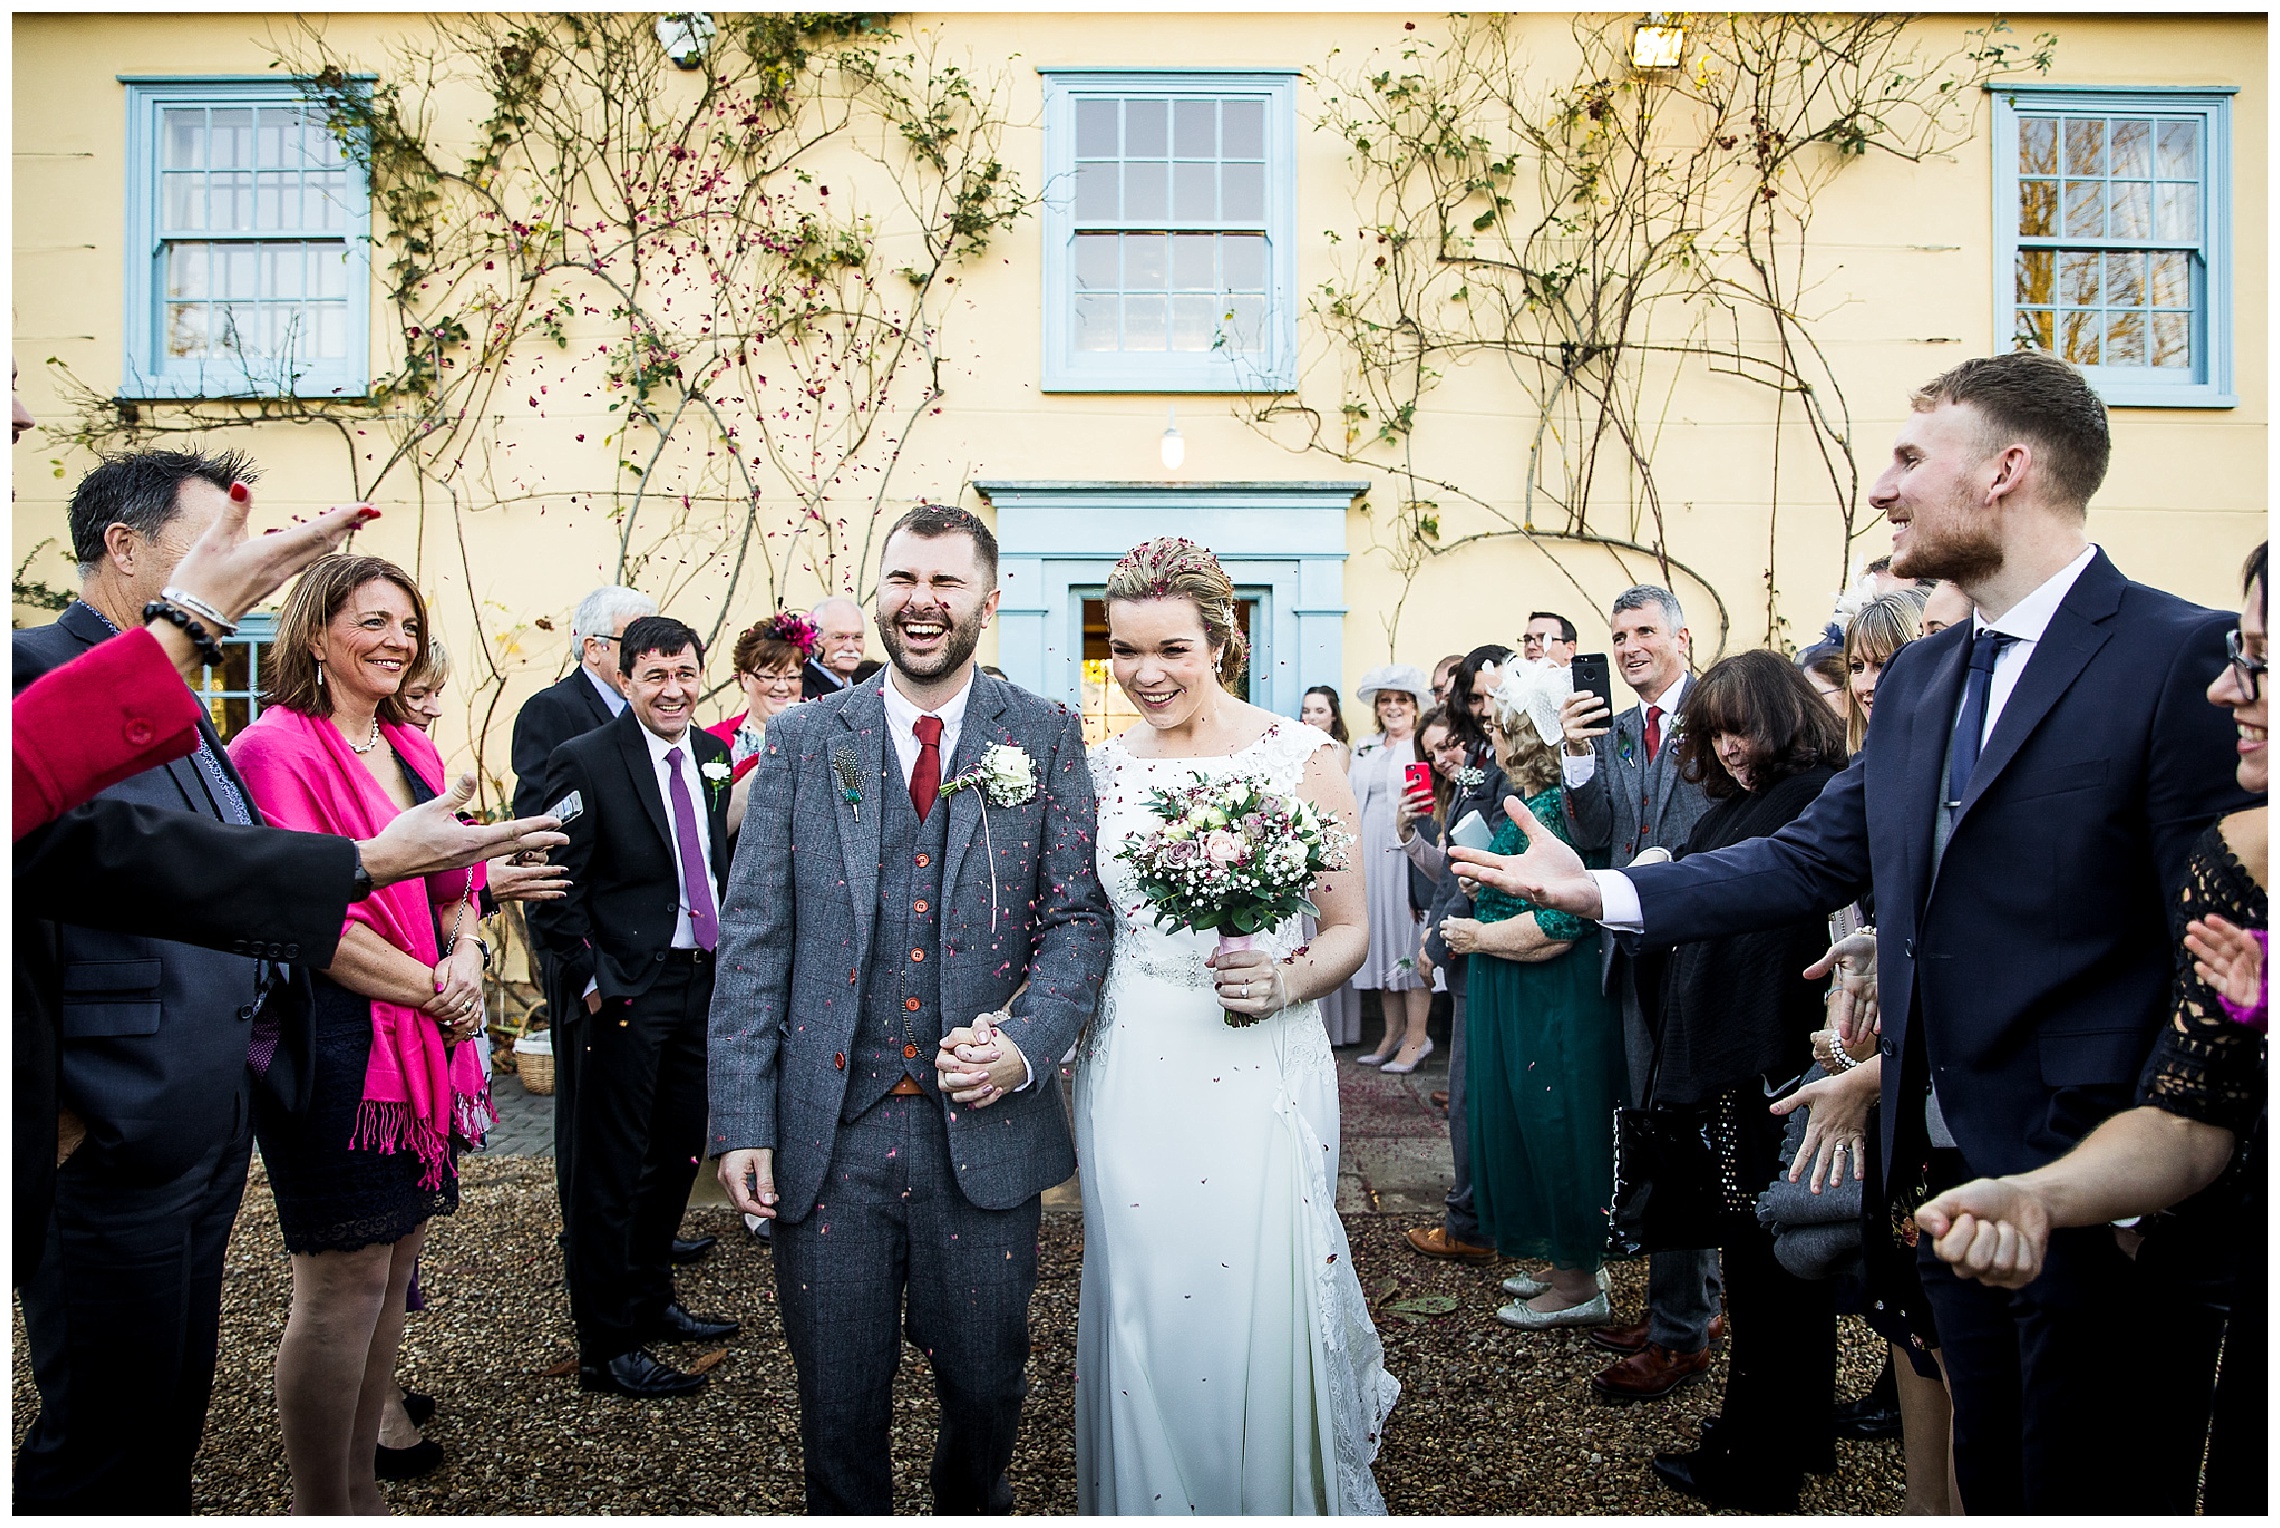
x,y
2249,671
774,681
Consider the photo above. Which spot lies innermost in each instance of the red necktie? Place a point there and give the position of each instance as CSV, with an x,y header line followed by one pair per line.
x,y
1654,732
926,774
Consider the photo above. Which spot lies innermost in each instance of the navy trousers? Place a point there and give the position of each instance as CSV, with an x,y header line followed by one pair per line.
x,y
893,1248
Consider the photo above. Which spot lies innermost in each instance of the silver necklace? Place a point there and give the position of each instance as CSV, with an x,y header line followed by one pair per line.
x,y
371,744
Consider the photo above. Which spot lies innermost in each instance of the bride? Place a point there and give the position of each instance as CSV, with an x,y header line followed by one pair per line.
x,y
1225,1358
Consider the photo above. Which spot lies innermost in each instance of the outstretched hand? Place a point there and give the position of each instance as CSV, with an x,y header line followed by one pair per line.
x,y
1993,1230
430,837
2228,959
1853,959
233,573
1836,1131
1548,872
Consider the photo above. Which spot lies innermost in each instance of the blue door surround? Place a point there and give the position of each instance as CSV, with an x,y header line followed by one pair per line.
x,y
1283,544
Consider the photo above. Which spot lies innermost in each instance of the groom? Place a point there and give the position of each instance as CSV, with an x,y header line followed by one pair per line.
x,y
890,1004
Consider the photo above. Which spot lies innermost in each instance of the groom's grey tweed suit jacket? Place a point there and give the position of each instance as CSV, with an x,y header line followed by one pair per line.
x,y
802,908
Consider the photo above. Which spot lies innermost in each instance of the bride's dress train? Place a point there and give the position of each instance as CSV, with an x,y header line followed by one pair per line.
x,y
1226,1362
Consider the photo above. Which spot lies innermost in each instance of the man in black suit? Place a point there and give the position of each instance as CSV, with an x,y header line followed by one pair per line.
x,y
838,649
633,944
2030,785
590,696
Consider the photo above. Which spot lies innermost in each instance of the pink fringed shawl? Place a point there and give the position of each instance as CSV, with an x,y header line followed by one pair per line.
x,y
418,1092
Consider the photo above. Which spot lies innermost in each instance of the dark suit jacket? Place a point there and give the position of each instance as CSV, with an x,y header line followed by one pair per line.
x,y
155,1031
2031,975
816,682
625,889
160,874
565,709
1630,805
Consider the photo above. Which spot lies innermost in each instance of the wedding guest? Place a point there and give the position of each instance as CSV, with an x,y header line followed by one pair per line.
x,y
1829,678
1395,694
835,660
769,659
1549,638
1736,1019
1544,1051
1341,1009
1884,626
396,1091
1441,672
1319,708
2203,1106
1945,605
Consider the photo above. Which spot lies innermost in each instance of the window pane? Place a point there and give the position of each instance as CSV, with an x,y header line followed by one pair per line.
x,y
1144,260
2172,340
2085,209
1195,320
2177,211
1243,259
1095,262
2125,339
1096,192
1192,262
2125,281
186,270
2034,276
1246,324
2078,278
1195,129
232,206
2038,207
2130,214
2031,330
334,185
2172,280
1096,323
184,140
1096,129
270,129
1144,129
2131,146
1144,188
2038,146
2085,146
281,269
186,329
232,130
1244,188
2180,150
306,149
2081,331
1195,191
184,203
1144,323
332,332
266,193
241,267
237,328
329,270
1242,129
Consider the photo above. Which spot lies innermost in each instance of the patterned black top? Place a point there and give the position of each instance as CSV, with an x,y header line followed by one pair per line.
x,y
2206,1066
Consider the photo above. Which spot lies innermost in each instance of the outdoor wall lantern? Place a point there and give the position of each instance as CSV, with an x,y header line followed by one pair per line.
x,y
1173,447
1658,41
686,37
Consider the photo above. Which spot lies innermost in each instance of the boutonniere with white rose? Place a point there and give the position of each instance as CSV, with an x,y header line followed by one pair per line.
x,y
1006,775
1469,777
717,777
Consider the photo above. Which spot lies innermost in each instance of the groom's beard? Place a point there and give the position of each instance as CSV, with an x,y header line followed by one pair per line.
x,y
958,644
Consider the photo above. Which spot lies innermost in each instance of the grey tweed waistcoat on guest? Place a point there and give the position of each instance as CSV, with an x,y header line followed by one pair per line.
x,y
903,998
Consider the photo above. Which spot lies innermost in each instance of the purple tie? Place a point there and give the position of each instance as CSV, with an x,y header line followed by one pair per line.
x,y
704,920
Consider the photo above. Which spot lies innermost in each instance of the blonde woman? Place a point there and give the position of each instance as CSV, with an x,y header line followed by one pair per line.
x,y
1884,626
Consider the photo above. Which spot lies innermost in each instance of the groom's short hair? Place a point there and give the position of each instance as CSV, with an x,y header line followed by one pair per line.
x,y
932,520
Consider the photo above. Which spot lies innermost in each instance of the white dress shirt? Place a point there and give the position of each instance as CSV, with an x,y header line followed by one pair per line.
x,y
2024,623
609,693
684,933
1576,770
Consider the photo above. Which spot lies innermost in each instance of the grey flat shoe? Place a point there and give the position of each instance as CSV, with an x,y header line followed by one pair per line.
x,y
1592,1312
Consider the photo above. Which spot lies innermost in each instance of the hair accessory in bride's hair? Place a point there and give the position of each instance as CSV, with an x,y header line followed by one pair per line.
x,y
1173,567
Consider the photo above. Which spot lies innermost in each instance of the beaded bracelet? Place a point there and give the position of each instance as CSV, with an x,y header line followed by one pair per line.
x,y
208,649
200,609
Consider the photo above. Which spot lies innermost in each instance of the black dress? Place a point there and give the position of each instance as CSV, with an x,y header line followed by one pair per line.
x,y
2208,1068
330,1198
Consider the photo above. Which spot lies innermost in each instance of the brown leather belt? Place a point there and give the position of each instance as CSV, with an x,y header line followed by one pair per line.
x,y
907,1088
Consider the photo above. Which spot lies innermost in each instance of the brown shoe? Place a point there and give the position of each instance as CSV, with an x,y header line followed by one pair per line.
x,y
1649,1374
1629,1339
1439,1098
1435,1241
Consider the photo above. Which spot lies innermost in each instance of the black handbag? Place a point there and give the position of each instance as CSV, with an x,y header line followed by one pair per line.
x,y
1675,1187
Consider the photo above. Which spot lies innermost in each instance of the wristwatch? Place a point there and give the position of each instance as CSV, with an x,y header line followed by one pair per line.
x,y
360,884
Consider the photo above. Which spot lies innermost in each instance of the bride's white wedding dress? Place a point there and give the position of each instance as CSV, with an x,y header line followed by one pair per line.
x,y
1225,1358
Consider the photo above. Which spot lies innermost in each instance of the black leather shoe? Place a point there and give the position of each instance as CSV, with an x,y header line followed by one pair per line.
x,y
677,1325
1875,1415
418,1407
1711,1476
687,1252
640,1376
406,1463
1816,1461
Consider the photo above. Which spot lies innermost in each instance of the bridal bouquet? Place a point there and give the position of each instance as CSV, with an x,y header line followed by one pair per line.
x,y
1233,858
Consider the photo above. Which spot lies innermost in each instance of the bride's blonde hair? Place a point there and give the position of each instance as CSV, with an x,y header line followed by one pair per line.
x,y
1173,567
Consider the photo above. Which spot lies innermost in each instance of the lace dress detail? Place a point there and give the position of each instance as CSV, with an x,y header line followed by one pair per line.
x,y
1212,1374
2206,1066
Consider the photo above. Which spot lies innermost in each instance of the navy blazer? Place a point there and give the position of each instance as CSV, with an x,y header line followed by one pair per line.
x,y
2032,974
617,921
154,1031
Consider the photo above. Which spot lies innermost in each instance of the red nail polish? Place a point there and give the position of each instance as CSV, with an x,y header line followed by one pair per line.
x,y
240,494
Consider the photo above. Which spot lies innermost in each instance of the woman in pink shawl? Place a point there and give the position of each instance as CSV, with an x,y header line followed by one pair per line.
x,y
396,1089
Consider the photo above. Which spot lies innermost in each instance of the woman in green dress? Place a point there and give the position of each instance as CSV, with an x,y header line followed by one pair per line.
x,y
1545,1048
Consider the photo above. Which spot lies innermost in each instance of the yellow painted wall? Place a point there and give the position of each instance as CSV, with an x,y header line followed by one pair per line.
x,y
1904,249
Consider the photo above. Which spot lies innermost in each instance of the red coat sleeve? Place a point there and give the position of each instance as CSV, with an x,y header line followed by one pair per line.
x,y
110,713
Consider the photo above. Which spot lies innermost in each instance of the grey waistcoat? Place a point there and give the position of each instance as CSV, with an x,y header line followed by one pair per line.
x,y
903,1001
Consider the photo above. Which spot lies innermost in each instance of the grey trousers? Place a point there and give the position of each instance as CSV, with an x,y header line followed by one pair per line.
x,y
1460,1221
893,1248
1682,1287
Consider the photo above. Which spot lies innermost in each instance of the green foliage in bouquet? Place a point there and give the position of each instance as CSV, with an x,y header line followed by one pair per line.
x,y
1232,857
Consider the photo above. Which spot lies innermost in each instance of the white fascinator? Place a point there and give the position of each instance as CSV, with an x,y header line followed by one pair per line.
x,y
1535,691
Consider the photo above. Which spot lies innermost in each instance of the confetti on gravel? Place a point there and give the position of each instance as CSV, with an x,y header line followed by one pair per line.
x,y
1490,1420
